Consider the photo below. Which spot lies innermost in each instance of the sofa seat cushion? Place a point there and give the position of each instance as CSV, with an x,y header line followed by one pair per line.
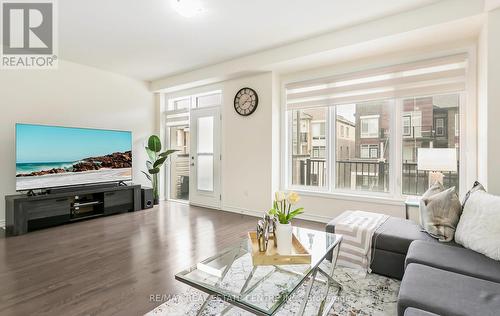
x,y
396,235
447,293
417,312
454,259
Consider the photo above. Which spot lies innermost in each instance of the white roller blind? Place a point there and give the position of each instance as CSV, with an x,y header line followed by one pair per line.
x,y
427,77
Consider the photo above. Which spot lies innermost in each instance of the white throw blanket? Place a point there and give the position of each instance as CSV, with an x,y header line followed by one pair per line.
x,y
357,229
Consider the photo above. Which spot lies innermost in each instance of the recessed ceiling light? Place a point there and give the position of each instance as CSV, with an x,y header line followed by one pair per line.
x,y
187,8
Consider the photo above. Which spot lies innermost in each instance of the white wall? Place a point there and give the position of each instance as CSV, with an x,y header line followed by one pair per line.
x,y
247,152
489,103
482,106
73,95
493,95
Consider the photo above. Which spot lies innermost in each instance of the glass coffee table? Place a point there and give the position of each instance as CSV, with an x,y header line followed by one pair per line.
x,y
262,290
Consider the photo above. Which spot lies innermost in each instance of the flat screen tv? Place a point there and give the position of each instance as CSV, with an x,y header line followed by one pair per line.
x,y
54,156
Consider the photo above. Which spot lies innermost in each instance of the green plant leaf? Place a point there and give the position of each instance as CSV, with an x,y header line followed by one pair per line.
x,y
158,163
147,176
168,152
154,171
154,143
150,153
282,218
295,213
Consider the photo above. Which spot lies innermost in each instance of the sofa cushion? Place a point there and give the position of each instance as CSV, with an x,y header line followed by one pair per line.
x,y
396,235
388,263
440,212
417,312
479,225
447,293
454,259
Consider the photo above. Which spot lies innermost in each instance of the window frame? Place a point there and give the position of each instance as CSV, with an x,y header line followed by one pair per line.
x,y
370,148
289,151
369,118
444,127
395,152
467,124
406,116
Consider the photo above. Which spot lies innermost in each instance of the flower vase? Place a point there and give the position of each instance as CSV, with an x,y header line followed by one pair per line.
x,y
284,238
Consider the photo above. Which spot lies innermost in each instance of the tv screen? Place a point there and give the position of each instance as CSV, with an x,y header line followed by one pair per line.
x,y
53,156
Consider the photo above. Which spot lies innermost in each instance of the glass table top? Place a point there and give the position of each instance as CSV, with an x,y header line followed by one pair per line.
x,y
230,275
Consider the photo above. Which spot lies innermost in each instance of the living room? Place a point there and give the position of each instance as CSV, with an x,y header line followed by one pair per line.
x,y
188,157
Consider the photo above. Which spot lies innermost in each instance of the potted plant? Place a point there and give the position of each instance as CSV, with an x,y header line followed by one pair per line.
x,y
283,214
153,165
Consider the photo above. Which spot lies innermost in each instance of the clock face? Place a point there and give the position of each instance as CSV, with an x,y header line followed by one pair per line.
x,y
246,101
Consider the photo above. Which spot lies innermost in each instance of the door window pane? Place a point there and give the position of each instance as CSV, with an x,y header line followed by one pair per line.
x,y
309,146
435,115
209,100
362,157
180,104
179,162
206,134
205,172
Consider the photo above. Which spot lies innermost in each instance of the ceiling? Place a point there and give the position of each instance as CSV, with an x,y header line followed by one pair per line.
x,y
147,40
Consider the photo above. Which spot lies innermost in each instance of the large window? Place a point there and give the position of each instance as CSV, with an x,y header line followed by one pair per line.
x,y
435,111
367,168
341,130
308,134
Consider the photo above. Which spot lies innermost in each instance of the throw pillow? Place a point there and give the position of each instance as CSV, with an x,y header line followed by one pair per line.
x,y
440,212
435,188
475,187
479,225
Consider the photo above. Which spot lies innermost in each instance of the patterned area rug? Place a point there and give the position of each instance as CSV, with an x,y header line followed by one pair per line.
x,y
361,295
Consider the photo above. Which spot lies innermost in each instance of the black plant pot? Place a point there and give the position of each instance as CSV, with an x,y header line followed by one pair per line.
x,y
156,201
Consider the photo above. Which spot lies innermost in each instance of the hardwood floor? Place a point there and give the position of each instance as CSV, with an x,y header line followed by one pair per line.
x,y
112,265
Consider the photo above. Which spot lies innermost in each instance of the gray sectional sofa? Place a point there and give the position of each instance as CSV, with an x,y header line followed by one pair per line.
x,y
437,278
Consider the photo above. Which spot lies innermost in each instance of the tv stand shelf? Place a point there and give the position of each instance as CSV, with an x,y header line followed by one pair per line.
x,y
24,213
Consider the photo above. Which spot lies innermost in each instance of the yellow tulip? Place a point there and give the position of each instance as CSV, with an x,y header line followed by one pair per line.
x,y
279,196
293,198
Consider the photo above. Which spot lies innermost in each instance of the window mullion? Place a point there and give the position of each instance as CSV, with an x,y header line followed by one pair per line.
x,y
332,159
396,149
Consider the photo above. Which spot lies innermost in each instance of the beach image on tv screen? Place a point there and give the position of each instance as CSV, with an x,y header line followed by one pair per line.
x,y
51,156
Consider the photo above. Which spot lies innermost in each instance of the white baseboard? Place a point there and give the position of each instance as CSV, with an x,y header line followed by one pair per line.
x,y
305,216
240,210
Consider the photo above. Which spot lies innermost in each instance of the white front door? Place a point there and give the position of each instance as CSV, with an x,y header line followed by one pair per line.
x,y
204,160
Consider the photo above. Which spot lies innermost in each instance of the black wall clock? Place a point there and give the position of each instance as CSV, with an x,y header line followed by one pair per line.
x,y
246,101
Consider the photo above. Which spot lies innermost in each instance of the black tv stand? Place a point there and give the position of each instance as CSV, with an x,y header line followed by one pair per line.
x,y
27,212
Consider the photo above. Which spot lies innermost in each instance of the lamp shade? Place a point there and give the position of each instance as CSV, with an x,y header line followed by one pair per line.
x,y
437,159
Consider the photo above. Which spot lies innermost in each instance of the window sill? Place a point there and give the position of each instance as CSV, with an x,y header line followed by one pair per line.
x,y
367,198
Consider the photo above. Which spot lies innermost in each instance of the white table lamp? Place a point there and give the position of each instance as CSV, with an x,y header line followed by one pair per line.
x,y
436,160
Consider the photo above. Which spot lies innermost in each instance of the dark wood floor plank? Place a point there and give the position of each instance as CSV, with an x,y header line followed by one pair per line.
x,y
112,265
